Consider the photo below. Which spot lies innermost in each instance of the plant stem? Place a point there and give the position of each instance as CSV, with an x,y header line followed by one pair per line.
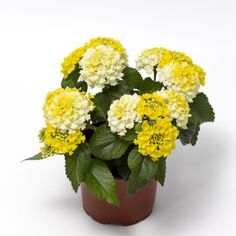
x,y
155,73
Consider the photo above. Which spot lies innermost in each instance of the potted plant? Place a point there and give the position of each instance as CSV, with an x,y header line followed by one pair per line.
x,y
115,140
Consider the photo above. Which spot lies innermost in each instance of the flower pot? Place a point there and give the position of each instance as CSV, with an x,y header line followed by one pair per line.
x,y
131,210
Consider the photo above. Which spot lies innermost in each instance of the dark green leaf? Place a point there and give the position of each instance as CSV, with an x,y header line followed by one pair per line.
x,y
150,86
143,169
82,85
115,92
190,134
106,145
135,160
160,170
124,171
71,81
35,157
103,100
130,135
101,183
77,165
102,104
132,78
201,110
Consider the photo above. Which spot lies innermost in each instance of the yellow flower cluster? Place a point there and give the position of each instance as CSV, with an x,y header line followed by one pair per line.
x,y
72,60
181,77
174,69
178,106
157,140
159,57
115,44
152,106
201,74
66,112
67,109
59,142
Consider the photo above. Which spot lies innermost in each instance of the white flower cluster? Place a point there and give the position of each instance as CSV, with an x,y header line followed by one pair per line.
x,y
101,65
147,62
180,77
150,58
178,106
122,114
67,109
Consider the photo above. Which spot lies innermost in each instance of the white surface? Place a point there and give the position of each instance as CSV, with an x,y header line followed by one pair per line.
x,y
200,190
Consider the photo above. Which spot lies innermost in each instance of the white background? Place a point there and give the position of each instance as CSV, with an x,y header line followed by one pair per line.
x,y
199,197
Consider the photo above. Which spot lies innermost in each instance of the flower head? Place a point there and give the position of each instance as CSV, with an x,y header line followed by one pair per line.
x,y
157,140
159,57
59,142
101,65
67,109
178,106
152,106
150,58
71,61
122,114
115,44
180,77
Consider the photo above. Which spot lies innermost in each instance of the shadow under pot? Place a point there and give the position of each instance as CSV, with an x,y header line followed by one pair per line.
x,y
131,210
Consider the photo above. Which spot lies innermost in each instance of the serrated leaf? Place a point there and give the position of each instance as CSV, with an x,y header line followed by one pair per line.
x,y
150,86
77,165
106,145
132,78
143,169
135,160
201,110
38,156
101,183
160,170
190,134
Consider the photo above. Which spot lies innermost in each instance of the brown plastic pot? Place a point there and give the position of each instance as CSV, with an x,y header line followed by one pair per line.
x,y
131,210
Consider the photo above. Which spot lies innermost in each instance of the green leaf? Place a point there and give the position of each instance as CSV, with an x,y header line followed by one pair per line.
x,y
102,104
71,81
132,78
82,85
106,145
150,86
103,100
77,165
35,157
138,127
101,183
143,169
190,134
130,135
115,92
201,110
160,170
135,159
